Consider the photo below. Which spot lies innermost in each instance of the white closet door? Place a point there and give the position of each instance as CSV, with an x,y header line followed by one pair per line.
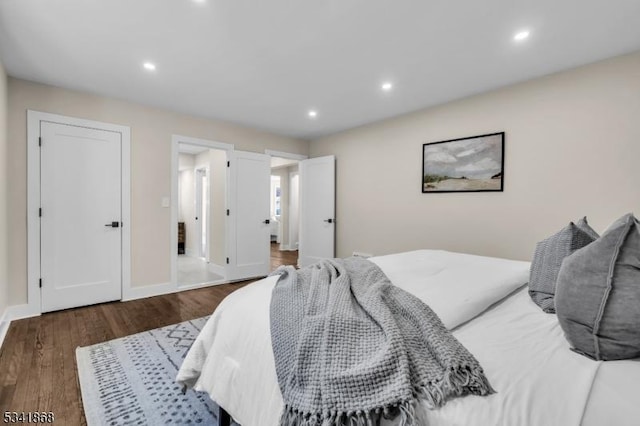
x,y
317,209
81,233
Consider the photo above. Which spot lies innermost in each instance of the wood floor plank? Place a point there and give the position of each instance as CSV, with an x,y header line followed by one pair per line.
x,y
6,395
45,383
12,357
63,368
73,397
20,397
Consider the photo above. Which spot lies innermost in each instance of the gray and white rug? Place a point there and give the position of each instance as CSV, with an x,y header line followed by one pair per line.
x,y
131,381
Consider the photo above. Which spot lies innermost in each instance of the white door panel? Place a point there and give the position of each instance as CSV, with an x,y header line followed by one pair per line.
x,y
81,261
250,175
317,210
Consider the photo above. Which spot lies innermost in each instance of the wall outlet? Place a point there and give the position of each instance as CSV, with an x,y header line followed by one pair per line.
x,y
361,254
166,202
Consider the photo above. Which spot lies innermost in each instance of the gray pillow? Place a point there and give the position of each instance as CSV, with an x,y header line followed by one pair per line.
x,y
598,294
548,258
584,226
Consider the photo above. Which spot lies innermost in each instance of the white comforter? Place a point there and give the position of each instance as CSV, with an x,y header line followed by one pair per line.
x,y
512,341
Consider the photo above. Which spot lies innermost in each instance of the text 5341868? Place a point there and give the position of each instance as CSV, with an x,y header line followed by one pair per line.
x,y
25,417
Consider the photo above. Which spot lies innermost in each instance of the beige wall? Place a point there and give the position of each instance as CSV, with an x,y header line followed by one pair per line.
x,y
572,149
4,204
151,131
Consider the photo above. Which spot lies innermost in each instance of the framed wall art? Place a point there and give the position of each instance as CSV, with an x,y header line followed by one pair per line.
x,y
473,164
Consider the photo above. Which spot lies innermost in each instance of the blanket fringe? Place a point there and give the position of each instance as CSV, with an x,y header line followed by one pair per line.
x,y
456,382
404,411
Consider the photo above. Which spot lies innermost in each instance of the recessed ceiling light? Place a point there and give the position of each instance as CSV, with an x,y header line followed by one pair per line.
x,y
199,1
312,114
387,86
521,35
149,66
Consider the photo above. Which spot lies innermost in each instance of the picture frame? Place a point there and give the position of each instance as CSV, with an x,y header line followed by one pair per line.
x,y
470,164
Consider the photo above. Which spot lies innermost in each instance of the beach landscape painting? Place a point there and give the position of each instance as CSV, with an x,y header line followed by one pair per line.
x,y
472,164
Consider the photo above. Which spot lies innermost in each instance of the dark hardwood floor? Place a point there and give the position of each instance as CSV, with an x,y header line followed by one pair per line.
x,y
282,257
37,360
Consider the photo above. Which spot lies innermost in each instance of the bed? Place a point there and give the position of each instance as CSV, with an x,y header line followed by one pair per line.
x,y
539,380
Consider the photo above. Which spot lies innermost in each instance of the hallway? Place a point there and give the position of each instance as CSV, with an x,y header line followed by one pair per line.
x,y
279,258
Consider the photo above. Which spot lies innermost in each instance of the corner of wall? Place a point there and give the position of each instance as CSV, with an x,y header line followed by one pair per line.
x,y
4,287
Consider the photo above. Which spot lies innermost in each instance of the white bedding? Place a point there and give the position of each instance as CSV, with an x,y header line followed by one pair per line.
x,y
614,398
456,286
523,352
511,342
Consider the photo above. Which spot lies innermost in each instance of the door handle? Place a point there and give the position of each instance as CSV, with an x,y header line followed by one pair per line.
x,y
328,220
267,221
113,224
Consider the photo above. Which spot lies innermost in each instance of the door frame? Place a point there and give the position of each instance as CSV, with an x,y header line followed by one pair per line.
x,y
34,118
291,156
176,140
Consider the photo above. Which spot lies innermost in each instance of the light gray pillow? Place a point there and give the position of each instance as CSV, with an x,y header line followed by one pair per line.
x,y
548,258
598,294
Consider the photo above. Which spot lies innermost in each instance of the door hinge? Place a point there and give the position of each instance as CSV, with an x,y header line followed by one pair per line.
x,y
40,141
227,260
40,283
40,212
227,212
228,163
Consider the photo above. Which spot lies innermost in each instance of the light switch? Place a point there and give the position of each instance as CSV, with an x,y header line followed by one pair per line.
x,y
166,201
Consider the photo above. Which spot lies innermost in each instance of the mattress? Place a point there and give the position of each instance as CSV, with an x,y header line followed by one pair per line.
x,y
524,354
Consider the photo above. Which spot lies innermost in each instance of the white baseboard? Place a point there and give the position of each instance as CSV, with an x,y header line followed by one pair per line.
x,y
286,247
16,312
143,292
13,313
4,326
218,269
190,252
195,286
361,254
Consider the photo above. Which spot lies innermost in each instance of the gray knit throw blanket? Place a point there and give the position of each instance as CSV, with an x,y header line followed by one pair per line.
x,y
351,348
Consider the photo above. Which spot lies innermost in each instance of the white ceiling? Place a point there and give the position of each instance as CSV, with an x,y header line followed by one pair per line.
x,y
266,63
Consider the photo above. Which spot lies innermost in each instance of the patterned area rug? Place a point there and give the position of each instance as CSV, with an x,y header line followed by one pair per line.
x,y
131,381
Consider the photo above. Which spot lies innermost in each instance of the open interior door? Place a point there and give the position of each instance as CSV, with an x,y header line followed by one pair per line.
x,y
317,209
249,189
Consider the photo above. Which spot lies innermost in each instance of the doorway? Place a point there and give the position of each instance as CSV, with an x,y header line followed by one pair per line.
x,y
199,231
285,211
